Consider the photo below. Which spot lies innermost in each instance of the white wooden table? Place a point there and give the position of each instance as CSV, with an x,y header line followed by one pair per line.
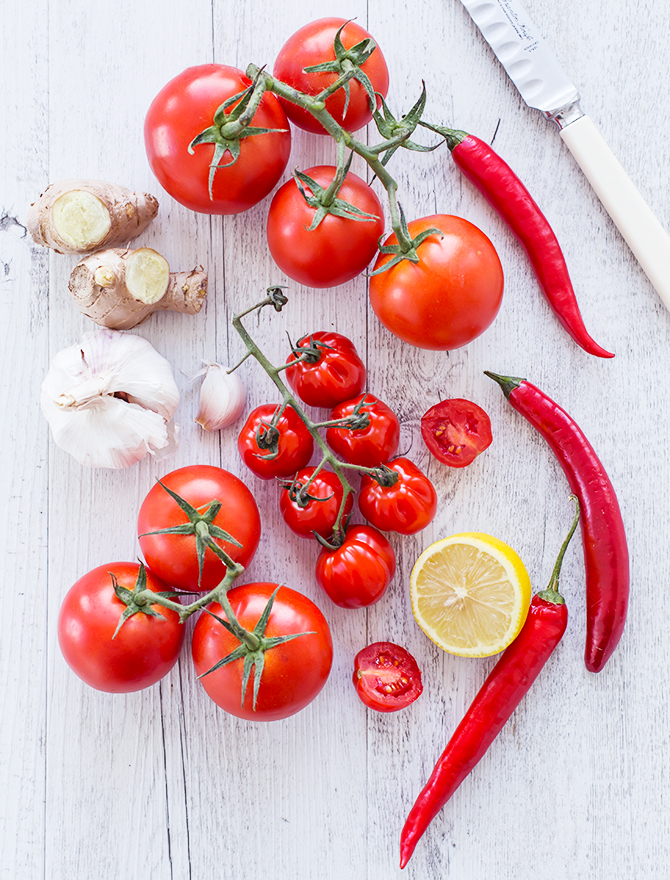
x,y
161,784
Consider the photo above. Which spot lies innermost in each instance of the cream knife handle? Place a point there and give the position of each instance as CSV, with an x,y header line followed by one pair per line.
x,y
643,233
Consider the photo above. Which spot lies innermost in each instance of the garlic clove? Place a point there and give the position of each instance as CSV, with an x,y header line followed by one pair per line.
x,y
110,399
222,398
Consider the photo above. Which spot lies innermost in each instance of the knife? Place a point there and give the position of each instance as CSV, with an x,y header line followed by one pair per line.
x,y
543,84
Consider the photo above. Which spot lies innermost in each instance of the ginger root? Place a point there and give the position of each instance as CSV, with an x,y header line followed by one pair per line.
x,y
81,216
119,288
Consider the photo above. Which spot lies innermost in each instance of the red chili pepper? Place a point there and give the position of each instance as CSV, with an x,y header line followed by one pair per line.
x,y
503,190
507,684
603,534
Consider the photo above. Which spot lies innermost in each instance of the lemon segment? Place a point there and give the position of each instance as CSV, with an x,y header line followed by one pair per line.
x,y
470,594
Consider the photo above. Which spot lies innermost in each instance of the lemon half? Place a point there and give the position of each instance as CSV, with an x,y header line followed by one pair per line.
x,y
470,594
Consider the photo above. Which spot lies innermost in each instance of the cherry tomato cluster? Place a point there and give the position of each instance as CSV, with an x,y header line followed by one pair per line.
x,y
118,641
437,282
356,563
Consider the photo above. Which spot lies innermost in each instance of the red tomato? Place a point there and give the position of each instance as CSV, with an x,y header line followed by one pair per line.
x,y
313,44
318,515
387,677
450,296
144,649
339,248
183,109
359,571
294,446
456,431
369,446
173,557
406,507
332,373
293,673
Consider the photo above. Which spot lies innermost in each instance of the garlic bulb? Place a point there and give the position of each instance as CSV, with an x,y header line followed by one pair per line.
x,y
109,399
222,398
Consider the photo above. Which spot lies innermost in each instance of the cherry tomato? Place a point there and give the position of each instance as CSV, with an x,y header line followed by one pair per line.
x,y
173,557
387,677
294,443
143,650
456,431
319,515
332,373
339,248
293,672
358,572
314,44
183,109
407,506
369,446
450,296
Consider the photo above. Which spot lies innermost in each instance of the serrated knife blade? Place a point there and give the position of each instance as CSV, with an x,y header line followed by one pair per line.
x,y
544,85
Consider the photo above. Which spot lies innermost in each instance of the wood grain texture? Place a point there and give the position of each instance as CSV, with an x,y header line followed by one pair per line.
x,y
161,783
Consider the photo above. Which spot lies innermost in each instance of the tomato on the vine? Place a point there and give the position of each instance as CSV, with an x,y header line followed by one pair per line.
x,y
336,250
322,499
357,573
286,447
315,44
387,677
450,296
293,672
370,446
331,373
456,431
183,109
173,557
146,645
407,506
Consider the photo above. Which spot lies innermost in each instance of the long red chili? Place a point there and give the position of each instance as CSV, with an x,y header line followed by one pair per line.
x,y
503,190
603,535
501,693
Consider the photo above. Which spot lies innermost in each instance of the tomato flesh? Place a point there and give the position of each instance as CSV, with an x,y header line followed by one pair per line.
x,y
387,677
456,431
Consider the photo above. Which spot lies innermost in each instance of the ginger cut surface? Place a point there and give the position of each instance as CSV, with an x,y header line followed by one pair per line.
x,y
81,216
119,288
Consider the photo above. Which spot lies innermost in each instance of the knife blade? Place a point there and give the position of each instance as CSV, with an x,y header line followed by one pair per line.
x,y
544,85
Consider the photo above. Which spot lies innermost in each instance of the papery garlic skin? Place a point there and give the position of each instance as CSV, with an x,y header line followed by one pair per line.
x,y
222,398
109,400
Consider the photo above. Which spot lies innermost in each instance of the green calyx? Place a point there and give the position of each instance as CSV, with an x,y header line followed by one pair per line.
x,y
231,124
551,594
396,132
453,137
202,527
325,201
136,600
507,383
252,648
347,66
407,247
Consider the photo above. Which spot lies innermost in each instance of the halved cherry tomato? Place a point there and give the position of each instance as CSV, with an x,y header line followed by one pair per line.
x,y
387,677
314,44
456,431
318,515
293,444
407,506
359,571
145,647
293,671
331,373
369,446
